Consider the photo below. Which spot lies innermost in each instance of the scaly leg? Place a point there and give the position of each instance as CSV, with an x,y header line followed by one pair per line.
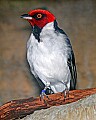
x,y
43,92
66,92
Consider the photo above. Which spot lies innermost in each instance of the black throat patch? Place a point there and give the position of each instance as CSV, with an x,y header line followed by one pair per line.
x,y
36,32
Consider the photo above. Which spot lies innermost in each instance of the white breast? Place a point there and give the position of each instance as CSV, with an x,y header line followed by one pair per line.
x,y
48,58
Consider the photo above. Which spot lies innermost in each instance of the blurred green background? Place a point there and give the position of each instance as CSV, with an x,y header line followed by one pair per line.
x,y
76,17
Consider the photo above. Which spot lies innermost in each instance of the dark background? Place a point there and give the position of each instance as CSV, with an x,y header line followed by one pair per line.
x,y
76,17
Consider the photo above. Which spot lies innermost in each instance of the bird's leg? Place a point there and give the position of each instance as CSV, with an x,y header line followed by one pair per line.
x,y
43,92
66,92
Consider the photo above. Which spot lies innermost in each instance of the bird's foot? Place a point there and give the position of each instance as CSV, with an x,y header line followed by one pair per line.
x,y
43,95
66,93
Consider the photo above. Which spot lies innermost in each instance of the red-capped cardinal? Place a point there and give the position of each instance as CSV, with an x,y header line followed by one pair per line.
x,y
50,53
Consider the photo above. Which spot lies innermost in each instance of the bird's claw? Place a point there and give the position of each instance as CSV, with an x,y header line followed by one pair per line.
x,y
42,95
66,93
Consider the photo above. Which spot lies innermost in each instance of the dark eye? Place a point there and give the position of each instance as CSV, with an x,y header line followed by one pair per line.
x,y
39,16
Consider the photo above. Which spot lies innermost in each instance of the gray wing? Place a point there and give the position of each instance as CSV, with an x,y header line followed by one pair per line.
x,y
71,59
72,67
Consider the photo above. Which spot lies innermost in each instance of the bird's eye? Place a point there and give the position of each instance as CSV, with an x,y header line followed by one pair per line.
x,y
39,16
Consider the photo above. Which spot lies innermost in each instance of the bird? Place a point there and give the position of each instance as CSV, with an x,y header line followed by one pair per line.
x,y
50,54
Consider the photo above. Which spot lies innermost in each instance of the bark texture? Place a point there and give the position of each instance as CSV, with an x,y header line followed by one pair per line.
x,y
84,109
23,107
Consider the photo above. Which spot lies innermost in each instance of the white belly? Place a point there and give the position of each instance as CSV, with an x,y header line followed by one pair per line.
x,y
48,59
49,65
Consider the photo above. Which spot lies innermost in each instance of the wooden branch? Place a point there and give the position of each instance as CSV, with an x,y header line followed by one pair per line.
x,y
22,107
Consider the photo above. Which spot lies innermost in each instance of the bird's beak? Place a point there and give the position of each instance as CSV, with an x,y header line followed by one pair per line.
x,y
26,16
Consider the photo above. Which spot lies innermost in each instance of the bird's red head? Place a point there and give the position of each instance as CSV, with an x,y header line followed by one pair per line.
x,y
39,17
